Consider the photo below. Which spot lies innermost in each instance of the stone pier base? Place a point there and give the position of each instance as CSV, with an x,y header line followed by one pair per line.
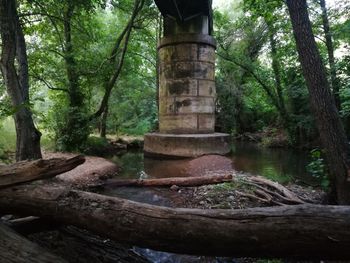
x,y
186,145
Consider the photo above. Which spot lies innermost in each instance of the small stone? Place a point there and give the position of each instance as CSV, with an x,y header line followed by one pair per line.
x,y
174,188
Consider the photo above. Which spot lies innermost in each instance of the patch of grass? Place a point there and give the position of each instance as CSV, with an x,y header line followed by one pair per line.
x,y
230,186
225,186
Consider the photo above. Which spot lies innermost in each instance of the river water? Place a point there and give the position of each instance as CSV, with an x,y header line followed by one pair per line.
x,y
279,164
282,165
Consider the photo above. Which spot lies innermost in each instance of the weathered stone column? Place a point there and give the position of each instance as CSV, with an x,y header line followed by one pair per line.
x,y
186,84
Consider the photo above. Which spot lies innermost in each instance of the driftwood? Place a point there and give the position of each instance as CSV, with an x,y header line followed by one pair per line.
x,y
268,191
301,231
17,249
285,193
265,190
165,182
27,171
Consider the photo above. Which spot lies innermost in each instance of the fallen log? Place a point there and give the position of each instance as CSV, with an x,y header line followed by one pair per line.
x,y
166,182
78,245
31,224
301,231
16,249
27,171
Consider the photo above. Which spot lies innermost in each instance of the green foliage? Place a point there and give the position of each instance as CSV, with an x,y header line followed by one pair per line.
x,y
7,138
247,97
67,105
6,109
228,186
70,127
95,146
317,167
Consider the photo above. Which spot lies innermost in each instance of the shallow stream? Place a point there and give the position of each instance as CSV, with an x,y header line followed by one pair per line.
x,y
282,165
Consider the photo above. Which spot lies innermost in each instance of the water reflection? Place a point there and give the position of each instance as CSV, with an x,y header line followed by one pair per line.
x,y
282,165
278,164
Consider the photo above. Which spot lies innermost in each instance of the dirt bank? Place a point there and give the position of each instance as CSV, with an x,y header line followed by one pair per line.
x,y
93,170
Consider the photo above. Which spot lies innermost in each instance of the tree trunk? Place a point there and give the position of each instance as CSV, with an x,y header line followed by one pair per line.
x,y
24,171
330,50
178,181
78,245
331,130
276,67
17,249
17,83
103,125
124,37
75,96
301,231
75,132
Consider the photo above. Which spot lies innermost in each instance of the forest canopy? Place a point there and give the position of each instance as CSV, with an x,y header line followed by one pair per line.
x,y
92,68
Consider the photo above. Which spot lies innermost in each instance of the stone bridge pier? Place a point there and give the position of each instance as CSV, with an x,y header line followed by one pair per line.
x,y
186,90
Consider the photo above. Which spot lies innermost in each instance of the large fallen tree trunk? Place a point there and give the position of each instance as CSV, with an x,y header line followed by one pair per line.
x,y
17,249
78,245
302,231
27,171
179,181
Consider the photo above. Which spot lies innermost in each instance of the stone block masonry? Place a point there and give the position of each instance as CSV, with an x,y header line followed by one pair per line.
x,y
187,84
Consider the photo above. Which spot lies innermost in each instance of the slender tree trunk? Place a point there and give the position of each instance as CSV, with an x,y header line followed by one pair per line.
x,y
159,36
123,38
276,67
331,130
168,182
13,51
76,128
103,126
330,50
75,95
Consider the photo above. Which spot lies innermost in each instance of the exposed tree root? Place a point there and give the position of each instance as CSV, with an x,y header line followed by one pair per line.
x,y
269,192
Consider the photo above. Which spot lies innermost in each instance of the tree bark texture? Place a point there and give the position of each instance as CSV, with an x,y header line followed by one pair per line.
x,y
302,231
25,171
331,130
13,50
17,249
75,95
78,245
166,182
330,51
